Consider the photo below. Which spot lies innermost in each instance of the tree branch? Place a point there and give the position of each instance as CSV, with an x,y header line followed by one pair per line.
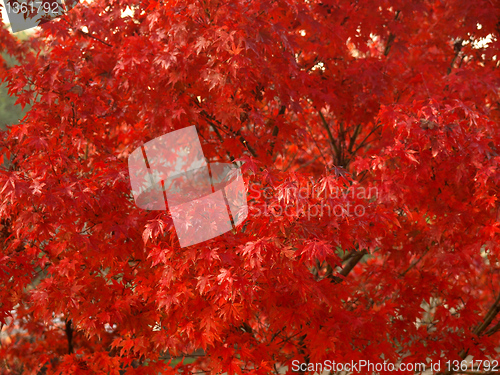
x,y
212,121
457,46
93,37
480,328
363,143
391,38
352,259
490,316
415,263
353,138
330,137
276,130
69,335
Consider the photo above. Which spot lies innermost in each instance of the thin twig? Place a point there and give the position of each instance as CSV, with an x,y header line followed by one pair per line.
x,y
330,137
94,37
276,130
391,38
415,263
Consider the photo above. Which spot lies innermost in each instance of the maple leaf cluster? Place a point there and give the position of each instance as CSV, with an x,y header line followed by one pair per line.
x,y
369,135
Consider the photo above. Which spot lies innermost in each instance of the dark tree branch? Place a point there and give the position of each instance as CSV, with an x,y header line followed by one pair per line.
x,y
94,37
302,350
335,149
69,335
391,38
352,259
353,138
457,46
415,263
388,46
352,262
212,121
276,130
480,328
490,316
363,143
86,34
494,329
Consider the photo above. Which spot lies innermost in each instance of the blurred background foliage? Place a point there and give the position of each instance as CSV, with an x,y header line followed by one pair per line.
x,y
9,112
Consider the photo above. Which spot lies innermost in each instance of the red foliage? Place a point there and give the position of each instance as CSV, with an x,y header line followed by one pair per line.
x,y
390,108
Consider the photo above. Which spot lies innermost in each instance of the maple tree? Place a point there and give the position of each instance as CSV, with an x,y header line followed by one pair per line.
x,y
9,113
323,101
